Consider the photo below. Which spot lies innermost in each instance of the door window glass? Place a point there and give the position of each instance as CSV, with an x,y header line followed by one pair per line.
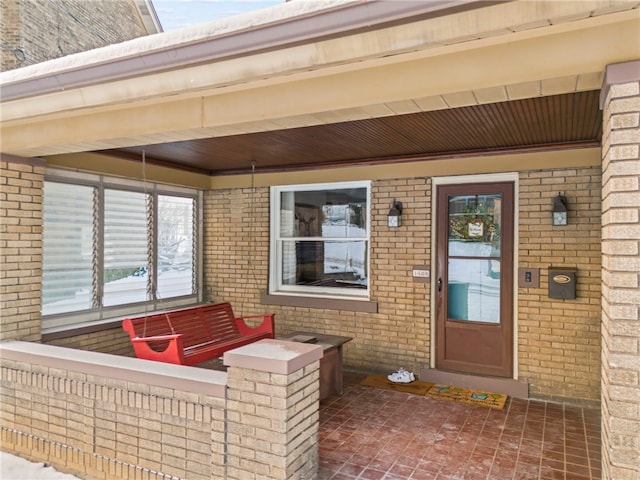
x,y
474,258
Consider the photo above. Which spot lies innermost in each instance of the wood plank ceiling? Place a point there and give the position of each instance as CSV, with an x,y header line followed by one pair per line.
x,y
548,122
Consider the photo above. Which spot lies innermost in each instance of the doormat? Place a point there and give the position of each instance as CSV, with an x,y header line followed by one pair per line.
x,y
381,381
468,396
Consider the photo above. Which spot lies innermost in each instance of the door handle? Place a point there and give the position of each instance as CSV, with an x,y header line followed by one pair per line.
x,y
439,285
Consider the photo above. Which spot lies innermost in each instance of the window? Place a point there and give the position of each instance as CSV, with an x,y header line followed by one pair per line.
x,y
320,240
113,248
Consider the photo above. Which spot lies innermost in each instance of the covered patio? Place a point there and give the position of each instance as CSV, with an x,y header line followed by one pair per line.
x,y
399,100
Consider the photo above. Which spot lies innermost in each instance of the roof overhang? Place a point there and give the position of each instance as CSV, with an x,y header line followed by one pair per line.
x,y
298,68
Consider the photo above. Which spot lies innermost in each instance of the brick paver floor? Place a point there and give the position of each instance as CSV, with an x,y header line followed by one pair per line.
x,y
374,434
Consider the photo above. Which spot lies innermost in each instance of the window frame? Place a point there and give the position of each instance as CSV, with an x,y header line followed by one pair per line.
x,y
95,316
276,288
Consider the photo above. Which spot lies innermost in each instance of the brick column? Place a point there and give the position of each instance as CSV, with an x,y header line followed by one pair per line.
x,y
620,101
273,411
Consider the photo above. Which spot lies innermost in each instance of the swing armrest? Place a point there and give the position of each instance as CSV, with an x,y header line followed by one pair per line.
x,y
173,353
267,326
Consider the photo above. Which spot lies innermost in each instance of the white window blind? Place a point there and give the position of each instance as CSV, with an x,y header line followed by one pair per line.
x,y
114,247
126,247
68,253
175,246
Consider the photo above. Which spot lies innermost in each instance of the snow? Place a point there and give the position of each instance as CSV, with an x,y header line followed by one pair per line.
x,y
168,40
132,289
13,467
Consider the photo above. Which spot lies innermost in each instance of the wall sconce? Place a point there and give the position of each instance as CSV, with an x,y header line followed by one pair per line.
x,y
394,219
559,212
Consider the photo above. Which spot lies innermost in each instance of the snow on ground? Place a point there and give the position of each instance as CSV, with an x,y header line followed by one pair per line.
x,y
13,467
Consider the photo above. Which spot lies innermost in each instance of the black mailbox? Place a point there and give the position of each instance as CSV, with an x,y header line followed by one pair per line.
x,y
562,282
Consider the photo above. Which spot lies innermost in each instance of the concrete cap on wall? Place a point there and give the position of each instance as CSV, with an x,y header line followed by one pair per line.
x,y
274,356
177,377
616,74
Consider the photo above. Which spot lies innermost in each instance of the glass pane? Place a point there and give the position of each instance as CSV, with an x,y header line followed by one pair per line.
x,y
325,264
68,248
175,246
339,213
474,290
125,247
475,225
346,221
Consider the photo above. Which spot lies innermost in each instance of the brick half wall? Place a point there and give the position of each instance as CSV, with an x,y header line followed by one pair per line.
x,y
100,416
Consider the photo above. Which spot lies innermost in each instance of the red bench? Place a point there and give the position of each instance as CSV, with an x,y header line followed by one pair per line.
x,y
194,335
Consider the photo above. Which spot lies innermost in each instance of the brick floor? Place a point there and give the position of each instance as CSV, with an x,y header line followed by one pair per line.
x,y
374,434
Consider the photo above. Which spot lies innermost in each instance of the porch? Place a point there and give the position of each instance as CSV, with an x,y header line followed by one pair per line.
x,y
449,87
376,434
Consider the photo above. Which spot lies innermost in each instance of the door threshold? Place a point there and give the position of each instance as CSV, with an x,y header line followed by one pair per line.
x,y
508,386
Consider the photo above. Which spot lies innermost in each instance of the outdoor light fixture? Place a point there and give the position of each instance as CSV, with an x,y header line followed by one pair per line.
x,y
559,212
394,219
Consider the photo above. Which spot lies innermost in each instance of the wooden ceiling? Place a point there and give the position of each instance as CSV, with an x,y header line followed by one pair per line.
x,y
559,121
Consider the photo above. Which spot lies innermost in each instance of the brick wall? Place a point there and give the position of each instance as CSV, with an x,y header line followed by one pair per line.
x,y
236,269
21,196
621,275
21,186
399,335
236,250
10,53
98,426
100,417
33,31
559,340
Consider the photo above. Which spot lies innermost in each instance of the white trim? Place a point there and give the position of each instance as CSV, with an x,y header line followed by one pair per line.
x,y
483,178
275,253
